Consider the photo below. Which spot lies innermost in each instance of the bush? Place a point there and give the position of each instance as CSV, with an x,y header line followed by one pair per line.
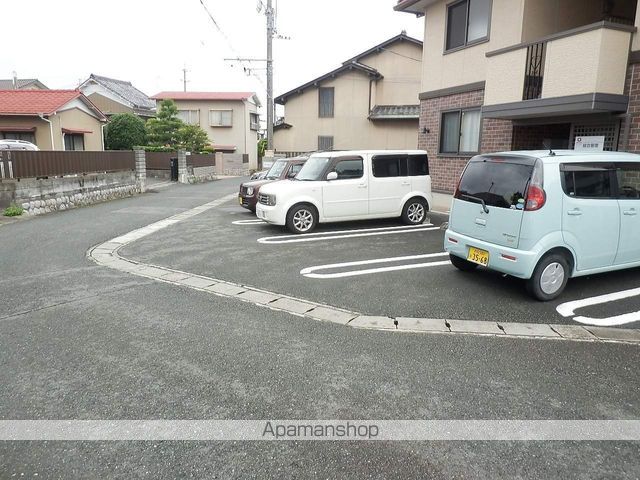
x,y
208,149
157,148
192,138
124,131
13,210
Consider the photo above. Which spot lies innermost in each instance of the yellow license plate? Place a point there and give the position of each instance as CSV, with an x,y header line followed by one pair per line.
x,y
479,256
240,200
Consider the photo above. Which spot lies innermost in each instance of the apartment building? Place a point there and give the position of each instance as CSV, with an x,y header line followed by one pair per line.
x,y
524,74
370,101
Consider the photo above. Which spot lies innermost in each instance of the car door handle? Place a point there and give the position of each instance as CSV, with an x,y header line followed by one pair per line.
x,y
576,212
631,212
362,185
406,183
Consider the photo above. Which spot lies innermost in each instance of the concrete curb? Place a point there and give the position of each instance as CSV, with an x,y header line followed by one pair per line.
x,y
106,254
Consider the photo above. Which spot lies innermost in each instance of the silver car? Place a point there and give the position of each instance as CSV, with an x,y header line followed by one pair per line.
x,y
10,144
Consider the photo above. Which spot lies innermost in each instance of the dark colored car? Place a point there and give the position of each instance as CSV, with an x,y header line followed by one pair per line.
x,y
280,170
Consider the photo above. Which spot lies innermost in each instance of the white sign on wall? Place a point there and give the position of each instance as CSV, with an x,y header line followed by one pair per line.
x,y
592,144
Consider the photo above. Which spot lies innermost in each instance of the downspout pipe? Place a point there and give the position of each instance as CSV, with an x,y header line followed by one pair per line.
x,y
41,115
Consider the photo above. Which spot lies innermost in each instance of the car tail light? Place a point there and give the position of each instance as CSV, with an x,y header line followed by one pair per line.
x,y
536,196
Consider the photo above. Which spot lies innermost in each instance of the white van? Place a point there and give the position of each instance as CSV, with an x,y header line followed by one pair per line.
x,y
350,185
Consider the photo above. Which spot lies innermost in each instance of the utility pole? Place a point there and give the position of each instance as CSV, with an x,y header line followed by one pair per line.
x,y
270,112
184,78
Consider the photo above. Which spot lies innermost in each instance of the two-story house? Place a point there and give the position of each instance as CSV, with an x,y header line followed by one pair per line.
x,y
523,74
230,119
370,101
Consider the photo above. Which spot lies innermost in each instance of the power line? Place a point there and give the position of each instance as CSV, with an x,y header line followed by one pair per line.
x,y
401,55
224,35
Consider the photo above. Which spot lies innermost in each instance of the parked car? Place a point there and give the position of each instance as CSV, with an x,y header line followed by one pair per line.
x,y
281,169
350,185
259,175
10,144
547,216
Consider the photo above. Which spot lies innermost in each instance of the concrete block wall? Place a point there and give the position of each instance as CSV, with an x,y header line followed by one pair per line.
x,y
38,196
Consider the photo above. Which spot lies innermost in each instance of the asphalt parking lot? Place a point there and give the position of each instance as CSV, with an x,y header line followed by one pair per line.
x,y
376,268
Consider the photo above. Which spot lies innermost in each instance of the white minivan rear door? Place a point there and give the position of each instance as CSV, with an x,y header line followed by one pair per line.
x,y
628,175
389,183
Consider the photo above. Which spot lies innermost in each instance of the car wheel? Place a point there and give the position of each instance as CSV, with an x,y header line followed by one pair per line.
x,y
302,218
414,211
462,264
549,277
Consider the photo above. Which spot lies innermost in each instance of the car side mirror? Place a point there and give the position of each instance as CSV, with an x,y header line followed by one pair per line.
x,y
291,175
332,176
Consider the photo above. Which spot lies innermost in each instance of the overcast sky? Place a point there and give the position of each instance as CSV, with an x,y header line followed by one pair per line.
x,y
149,41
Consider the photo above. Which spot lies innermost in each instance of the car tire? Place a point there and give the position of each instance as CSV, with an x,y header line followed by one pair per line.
x,y
462,264
549,278
302,218
414,211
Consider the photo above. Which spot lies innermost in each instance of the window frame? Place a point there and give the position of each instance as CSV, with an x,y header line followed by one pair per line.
x,y
405,160
20,134
253,125
190,111
325,149
73,137
335,161
618,187
221,125
599,166
459,153
333,102
466,43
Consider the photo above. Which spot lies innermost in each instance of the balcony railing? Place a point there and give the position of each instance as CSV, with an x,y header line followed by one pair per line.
x,y
534,71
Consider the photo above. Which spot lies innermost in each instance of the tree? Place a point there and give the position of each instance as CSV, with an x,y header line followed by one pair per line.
x,y
163,130
125,131
262,147
192,138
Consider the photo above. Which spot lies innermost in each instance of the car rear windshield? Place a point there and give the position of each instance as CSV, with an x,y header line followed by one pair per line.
x,y
499,181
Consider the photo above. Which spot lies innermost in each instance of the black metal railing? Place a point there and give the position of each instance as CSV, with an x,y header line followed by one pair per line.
x,y
534,71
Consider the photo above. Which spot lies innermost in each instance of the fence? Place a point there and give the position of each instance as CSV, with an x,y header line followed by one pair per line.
x,y
28,164
201,160
162,160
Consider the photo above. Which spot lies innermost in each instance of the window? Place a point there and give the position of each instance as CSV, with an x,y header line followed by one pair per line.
x,y
589,180
221,118
460,131
73,141
467,22
325,143
190,117
389,166
418,165
254,120
325,102
349,168
26,136
293,171
628,180
501,182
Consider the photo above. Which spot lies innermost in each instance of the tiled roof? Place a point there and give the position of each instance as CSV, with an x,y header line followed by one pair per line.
x,y
372,72
126,91
7,84
395,112
35,102
203,95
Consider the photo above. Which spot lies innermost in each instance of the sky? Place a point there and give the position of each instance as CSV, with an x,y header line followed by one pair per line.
x,y
149,42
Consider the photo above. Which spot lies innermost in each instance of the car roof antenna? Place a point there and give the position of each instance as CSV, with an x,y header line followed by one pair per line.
x,y
547,145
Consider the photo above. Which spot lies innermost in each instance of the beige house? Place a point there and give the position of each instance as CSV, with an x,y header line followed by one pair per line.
x,y
16,83
51,119
523,74
370,101
230,119
113,96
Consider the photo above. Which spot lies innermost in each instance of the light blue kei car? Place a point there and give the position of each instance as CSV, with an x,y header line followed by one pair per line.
x,y
547,216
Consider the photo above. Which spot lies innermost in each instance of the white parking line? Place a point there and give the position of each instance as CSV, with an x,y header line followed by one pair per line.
x,y
333,235
568,309
255,221
308,272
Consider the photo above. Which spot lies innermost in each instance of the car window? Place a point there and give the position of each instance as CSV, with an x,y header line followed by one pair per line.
x,y
418,165
294,169
587,180
628,180
349,168
500,182
276,170
389,166
313,169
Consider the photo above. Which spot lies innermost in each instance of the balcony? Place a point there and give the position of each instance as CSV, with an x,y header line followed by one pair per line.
x,y
581,70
